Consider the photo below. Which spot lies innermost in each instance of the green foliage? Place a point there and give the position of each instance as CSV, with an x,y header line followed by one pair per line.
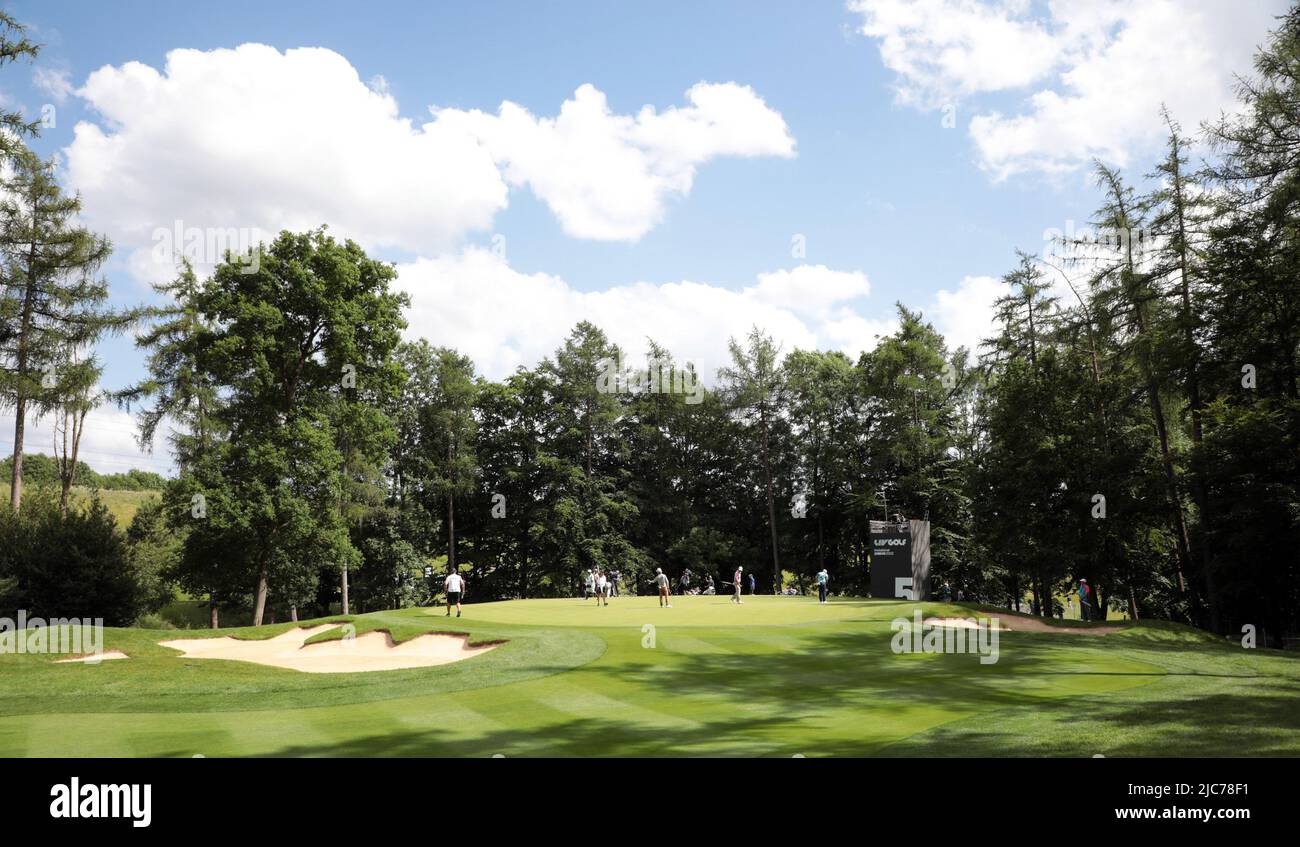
x,y
42,470
391,571
1168,385
297,346
154,550
180,390
15,46
78,565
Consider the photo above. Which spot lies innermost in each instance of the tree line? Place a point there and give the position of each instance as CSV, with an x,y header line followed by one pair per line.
x,y
42,470
1141,432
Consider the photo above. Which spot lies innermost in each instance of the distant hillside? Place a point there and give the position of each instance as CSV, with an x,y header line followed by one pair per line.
x,y
39,469
122,504
122,493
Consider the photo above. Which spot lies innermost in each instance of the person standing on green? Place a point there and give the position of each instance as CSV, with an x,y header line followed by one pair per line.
x,y
1085,600
455,587
823,579
661,580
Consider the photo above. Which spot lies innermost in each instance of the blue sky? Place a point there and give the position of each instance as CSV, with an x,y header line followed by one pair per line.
x,y
892,201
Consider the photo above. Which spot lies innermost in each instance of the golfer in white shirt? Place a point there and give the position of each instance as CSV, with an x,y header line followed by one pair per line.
x,y
455,585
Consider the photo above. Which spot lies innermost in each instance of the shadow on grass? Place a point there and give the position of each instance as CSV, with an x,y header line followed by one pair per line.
x,y
1182,722
1037,700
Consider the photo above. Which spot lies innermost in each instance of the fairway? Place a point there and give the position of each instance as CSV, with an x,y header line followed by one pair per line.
x,y
778,676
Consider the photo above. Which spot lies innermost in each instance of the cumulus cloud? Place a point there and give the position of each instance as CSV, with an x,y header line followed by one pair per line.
x,y
502,318
237,143
254,139
608,176
965,315
1092,76
945,49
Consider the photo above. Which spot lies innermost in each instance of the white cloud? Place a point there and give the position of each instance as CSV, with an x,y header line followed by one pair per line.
x,y
942,50
252,138
108,445
255,140
503,318
52,81
965,316
1095,74
608,176
812,290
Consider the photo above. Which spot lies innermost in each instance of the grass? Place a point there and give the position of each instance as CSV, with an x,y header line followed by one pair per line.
x,y
777,677
122,505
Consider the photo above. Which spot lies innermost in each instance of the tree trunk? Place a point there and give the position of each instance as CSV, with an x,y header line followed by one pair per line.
x,y
68,463
345,606
16,486
21,363
1202,499
1181,537
65,480
523,561
64,493
1199,493
821,542
259,602
589,436
451,534
771,513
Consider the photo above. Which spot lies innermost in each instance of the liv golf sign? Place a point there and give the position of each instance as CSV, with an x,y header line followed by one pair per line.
x,y
900,560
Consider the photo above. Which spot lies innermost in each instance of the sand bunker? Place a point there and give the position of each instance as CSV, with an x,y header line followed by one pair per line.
x,y
373,651
960,623
93,658
1019,624
1026,624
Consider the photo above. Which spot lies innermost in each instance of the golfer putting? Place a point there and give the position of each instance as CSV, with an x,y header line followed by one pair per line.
x,y
737,581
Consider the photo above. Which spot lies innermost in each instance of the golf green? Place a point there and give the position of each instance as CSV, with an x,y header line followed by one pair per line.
x,y
778,676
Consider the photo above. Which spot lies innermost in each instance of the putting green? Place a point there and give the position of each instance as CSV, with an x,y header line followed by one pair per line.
x,y
685,611
778,676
